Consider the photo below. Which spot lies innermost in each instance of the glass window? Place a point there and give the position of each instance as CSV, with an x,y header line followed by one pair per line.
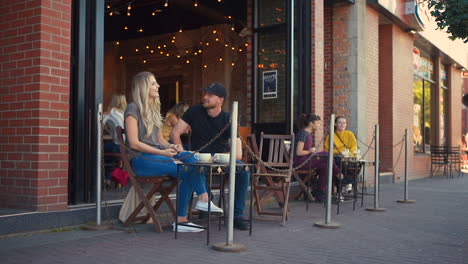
x,y
272,77
271,12
422,90
443,128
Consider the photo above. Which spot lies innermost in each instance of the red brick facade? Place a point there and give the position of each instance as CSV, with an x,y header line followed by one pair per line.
x,y
34,103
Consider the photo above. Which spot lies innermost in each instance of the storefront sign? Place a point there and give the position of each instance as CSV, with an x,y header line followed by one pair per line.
x,y
270,84
417,13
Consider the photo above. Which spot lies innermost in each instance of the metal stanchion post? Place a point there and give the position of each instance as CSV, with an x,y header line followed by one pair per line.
x,y
229,245
98,225
376,207
328,223
405,200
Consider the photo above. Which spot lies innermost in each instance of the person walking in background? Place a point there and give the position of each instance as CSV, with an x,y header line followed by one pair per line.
x,y
154,155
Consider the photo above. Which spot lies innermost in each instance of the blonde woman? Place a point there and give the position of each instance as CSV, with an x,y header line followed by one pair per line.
x,y
155,156
113,119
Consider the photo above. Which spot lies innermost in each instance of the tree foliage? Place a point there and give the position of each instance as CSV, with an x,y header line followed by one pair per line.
x,y
452,15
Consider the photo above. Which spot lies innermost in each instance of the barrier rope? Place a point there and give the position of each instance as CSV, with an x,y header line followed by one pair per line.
x,y
399,154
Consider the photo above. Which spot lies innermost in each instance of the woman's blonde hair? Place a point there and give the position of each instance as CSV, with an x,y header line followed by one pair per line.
x,y
179,109
150,113
118,101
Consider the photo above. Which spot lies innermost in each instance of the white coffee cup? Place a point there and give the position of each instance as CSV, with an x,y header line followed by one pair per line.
x,y
202,157
221,157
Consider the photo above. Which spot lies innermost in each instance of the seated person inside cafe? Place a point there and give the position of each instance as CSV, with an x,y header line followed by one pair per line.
x,y
114,118
154,156
207,120
305,148
172,117
344,146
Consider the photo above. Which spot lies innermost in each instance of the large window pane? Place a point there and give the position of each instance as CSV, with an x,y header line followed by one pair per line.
x,y
271,12
418,115
427,115
272,65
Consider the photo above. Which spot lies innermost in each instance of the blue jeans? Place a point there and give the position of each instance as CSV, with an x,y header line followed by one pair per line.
x,y
192,180
242,184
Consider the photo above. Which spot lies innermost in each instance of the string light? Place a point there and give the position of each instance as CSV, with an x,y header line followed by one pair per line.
x,y
108,6
144,61
136,50
166,4
111,13
152,51
121,57
217,39
214,31
129,7
140,30
178,56
195,4
187,61
205,66
180,30
125,27
233,64
117,43
147,47
220,59
128,13
207,44
232,28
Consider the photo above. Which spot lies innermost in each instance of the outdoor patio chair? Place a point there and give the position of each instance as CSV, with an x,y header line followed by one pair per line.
x,y
161,184
439,159
454,160
272,177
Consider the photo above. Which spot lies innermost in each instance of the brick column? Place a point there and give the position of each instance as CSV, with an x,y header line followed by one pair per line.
x,y
317,61
34,103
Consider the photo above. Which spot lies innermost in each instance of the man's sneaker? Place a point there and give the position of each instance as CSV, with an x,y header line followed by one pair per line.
x,y
349,188
241,223
203,206
187,227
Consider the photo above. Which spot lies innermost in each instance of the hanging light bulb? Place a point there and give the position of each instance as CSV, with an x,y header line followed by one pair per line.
x,y
117,43
140,30
121,57
214,31
129,7
111,13
180,30
220,59
144,61
187,61
128,13
166,4
217,39
233,64
195,4
178,56
153,13
147,47
199,51
125,27
232,29
136,50
108,6
205,66
152,51
219,1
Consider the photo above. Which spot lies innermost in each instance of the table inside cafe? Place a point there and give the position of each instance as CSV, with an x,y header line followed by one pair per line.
x,y
218,165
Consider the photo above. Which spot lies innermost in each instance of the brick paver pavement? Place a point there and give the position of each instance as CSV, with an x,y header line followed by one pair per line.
x,y
433,230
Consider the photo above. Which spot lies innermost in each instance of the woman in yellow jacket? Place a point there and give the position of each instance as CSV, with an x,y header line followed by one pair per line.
x,y
344,140
345,145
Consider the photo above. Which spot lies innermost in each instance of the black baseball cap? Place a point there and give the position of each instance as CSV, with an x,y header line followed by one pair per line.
x,y
216,89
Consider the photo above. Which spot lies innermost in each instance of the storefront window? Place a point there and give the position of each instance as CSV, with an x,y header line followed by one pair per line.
x,y
443,101
422,90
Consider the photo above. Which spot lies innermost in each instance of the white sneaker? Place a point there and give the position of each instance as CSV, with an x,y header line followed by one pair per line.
x,y
203,206
184,227
349,187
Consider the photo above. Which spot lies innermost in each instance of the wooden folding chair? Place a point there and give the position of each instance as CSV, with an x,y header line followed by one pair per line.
x,y
267,180
161,184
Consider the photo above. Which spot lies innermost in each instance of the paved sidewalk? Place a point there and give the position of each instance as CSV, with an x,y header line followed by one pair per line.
x,y
433,230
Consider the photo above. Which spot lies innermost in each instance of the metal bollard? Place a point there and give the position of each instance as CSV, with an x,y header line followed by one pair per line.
x,y
328,223
405,200
229,245
376,207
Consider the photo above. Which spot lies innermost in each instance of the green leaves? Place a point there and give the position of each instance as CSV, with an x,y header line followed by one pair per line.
x,y
451,15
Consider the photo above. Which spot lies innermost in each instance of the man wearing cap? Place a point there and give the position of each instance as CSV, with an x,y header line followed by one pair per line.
x,y
207,120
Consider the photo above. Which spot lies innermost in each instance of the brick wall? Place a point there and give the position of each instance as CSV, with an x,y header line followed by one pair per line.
x,y
328,57
403,101
373,104
317,61
34,103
